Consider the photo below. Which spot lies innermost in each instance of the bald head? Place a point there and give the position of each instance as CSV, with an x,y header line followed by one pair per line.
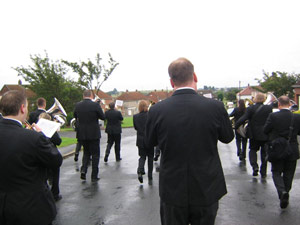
x,y
283,101
181,72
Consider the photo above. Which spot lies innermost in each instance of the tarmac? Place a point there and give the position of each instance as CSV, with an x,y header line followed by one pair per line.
x,y
119,199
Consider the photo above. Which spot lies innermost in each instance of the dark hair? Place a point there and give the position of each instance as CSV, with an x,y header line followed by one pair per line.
x,y
181,71
111,105
11,102
242,106
87,93
284,100
41,102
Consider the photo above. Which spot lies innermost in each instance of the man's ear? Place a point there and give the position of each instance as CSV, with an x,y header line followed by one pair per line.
x,y
195,78
172,83
22,109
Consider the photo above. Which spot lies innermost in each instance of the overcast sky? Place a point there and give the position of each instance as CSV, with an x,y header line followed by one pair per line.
x,y
227,40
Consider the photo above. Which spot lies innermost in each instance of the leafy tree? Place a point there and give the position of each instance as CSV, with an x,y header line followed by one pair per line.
x,y
90,73
230,95
280,83
220,95
48,80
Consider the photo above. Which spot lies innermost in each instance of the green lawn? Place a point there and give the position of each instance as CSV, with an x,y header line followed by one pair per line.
x,y
67,141
127,122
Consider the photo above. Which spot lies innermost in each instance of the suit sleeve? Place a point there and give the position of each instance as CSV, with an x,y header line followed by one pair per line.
x,y
100,113
55,139
268,127
150,139
225,131
241,120
120,116
47,154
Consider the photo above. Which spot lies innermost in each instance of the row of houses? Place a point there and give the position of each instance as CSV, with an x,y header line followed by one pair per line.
x,y
128,101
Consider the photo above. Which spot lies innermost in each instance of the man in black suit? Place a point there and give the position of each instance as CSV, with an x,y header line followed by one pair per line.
x,y
257,115
187,127
113,130
34,116
87,113
25,155
277,125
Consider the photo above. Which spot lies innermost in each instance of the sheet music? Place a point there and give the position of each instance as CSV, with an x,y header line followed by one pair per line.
x,y
48,127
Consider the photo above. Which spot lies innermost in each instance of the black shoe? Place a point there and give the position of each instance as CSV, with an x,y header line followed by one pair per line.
x,y
156,158
76,157
57,198
83,176
284,200
150,180
140,177
105,158
95,179
118,159
255,172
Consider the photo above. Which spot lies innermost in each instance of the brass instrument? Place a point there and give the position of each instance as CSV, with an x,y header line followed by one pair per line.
x,y
27,125
58,112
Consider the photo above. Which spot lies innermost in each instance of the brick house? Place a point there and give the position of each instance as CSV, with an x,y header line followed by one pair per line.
x,y
297,92
131,102
248,93
29,93
156,96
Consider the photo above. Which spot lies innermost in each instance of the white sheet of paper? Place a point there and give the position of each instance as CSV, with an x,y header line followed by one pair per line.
x,y
48,127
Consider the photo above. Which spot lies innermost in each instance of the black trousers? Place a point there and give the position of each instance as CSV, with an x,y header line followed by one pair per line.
x,y
241,145
55,181
78,147
255,146
114,139
191,215
141,167
91,148
283,174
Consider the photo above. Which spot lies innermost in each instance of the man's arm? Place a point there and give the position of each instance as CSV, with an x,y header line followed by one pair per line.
x,y
47,153
100,113
225,132
268,127
150,139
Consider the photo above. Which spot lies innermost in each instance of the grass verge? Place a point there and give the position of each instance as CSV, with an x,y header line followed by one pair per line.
x,y
66,141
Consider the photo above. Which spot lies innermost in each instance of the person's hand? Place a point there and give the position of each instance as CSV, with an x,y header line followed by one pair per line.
x,y
36,127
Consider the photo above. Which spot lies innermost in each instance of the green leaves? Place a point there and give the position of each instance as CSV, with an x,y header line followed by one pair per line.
x,y
279,83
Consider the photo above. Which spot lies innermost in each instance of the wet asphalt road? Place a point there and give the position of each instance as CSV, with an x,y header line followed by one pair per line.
x,y
119,199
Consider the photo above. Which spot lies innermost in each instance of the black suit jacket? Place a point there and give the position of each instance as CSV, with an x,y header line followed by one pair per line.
x,y
87,114
256,120
34,116
139,123
187,128
277,125
114,118
24,157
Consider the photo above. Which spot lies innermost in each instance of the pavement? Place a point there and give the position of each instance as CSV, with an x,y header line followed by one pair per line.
x,y
119,199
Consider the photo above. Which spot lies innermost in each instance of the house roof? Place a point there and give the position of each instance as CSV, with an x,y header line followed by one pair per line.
x,y
156,96
132,96
103,95
9,87
249,90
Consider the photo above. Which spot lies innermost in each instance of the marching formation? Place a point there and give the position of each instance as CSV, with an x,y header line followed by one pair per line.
x,y
183,130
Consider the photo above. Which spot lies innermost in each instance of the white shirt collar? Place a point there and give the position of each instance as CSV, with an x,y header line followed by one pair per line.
x,y
13,120
185,88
